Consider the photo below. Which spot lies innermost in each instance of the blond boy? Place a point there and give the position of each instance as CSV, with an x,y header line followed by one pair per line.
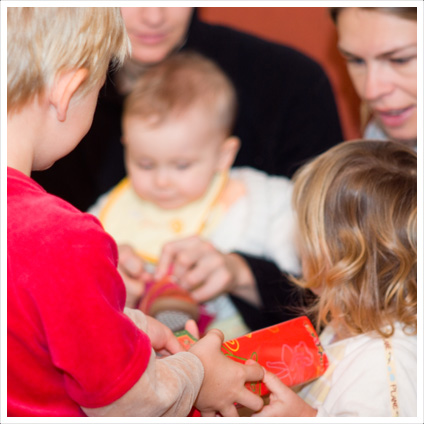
x,y
71,349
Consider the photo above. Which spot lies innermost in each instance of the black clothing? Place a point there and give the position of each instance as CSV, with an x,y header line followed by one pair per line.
x,y
287,114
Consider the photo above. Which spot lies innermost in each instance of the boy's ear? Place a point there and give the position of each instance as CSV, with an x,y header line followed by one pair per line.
x,y
65,86
228,153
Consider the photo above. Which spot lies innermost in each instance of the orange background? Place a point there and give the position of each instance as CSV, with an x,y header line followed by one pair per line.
x,y
308,29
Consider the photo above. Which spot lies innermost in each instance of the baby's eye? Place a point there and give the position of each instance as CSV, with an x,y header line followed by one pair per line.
x,y
182,165
146,166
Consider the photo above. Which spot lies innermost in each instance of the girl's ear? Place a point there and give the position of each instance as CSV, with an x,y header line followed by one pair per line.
x,y
228,153
65,86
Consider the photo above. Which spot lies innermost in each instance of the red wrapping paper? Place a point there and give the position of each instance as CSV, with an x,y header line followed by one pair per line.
x,y
291,350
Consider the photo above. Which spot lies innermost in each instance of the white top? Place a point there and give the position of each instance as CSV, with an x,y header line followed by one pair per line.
x,y
374,132
357,380
261,222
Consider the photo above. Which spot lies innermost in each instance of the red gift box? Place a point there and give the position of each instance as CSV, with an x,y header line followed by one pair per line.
x,y
291,350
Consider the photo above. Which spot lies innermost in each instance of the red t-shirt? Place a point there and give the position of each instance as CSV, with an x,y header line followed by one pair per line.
x,y
68,341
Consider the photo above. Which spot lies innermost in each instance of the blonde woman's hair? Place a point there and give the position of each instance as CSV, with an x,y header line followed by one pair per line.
x,y
356,209
401,12
43,41
182,81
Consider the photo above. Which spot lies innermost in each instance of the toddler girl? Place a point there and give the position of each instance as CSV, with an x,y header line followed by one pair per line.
x,y
356,211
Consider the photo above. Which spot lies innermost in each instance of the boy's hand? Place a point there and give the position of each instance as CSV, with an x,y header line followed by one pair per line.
x,y
224,380
131,268
283,401
161,337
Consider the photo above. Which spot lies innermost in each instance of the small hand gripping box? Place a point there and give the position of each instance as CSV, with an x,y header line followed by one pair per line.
x,y
291,350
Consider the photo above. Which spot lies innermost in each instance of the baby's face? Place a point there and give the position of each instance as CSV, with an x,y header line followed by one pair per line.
x,y
173,162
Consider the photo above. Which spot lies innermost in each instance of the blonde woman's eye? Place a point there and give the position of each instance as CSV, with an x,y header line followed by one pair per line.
x,y
402,60
354,60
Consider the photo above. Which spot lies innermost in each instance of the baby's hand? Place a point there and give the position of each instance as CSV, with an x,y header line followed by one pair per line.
x,y
283,401
132,270
224,380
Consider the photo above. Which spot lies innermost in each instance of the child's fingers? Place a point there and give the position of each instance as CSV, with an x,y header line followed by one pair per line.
x,y
192,328
173,345
217,336
229,411
254,372
274,384
208,413
265,412
129,261
250,400
211,342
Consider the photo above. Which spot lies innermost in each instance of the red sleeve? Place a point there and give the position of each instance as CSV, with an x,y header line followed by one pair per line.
x,y
99,350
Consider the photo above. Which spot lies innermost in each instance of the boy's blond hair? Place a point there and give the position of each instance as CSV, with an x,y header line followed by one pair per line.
x,y
356,210
180,82
42,41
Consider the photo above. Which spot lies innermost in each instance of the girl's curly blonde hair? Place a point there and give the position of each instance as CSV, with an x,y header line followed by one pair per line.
x,y
356,210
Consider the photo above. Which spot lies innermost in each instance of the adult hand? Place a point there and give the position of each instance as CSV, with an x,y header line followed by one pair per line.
x,y
131,268
224,379
206,272
283,402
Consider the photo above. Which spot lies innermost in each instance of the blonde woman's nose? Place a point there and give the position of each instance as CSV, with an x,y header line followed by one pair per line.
x,y
377,82
153,16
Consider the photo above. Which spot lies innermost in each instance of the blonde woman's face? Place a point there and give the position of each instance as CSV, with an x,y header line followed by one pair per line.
x,y
155,31
381,54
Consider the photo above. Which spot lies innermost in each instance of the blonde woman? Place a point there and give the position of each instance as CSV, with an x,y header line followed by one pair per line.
x,y
380,48
356,211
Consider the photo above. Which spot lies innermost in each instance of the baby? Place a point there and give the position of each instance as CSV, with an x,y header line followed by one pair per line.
x,y
177,126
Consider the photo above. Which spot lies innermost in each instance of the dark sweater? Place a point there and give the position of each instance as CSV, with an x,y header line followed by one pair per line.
x,y
287,115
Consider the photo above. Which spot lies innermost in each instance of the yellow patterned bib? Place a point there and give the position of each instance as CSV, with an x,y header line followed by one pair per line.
x,y
143,225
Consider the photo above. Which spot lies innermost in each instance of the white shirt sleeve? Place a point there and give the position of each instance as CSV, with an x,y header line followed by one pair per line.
x,y
261,223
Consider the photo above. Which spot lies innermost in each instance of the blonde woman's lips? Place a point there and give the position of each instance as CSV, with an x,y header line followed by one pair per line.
x,y
395,117
151,39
